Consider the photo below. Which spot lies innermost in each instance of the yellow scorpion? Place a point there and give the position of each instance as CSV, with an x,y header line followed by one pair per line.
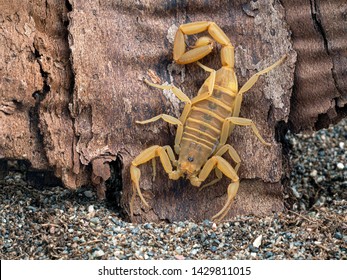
x,y
206,121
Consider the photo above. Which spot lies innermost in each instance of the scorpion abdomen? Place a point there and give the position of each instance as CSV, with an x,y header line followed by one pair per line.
x,y
204,123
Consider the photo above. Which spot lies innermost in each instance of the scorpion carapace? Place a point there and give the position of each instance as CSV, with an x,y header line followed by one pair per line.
x,y
207,120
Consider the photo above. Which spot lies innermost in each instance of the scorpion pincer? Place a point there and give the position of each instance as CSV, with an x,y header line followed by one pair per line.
x,y
207,120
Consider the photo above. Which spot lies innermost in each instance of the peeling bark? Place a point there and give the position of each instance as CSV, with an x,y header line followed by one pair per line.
x,y
21,79
36,86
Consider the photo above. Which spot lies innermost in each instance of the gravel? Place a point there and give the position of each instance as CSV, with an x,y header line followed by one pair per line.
x,y
55,223
319,168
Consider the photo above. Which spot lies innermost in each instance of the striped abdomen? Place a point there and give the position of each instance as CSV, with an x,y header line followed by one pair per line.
x,y
204,124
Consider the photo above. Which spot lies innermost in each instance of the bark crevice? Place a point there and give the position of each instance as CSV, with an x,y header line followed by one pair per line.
x,y
315,14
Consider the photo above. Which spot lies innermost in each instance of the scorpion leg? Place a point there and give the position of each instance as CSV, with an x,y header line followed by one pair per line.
x,y
170,120
165,117
232,152
172,158
236,112
232,191
220,152
239,121
227,170
181,96
167,159
176,91
247,86
219,176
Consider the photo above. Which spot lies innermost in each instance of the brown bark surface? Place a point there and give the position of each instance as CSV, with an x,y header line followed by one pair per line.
x,y
20,80
319,30
36,80
71,90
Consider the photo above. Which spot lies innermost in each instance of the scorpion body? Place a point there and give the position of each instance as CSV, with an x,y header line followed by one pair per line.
x,y
206,121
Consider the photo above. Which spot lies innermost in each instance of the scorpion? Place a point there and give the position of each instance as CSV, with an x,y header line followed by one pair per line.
x,y
207,120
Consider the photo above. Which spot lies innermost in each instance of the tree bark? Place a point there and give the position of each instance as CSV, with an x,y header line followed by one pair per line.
x,y
319,31
36,87
74,111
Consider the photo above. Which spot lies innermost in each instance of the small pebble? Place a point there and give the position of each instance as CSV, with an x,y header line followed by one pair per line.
x,y
91,208
214,248
257,241
338,235
214,226
179,250
207,223
32,208
252,248
88,194
148,226
340,166
98,253
320,179
150,253
269,254
95,220
194,251
295,192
